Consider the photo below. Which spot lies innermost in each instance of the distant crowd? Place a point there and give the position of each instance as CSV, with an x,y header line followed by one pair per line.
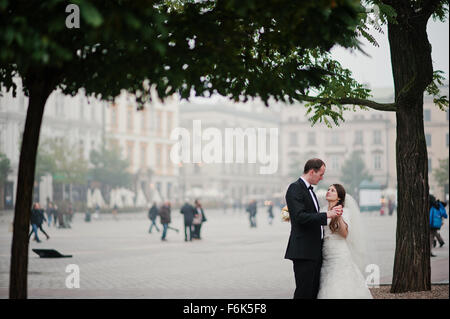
x,y
194,217
60,217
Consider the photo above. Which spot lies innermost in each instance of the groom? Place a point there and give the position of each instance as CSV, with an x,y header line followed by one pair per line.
x,y
305,241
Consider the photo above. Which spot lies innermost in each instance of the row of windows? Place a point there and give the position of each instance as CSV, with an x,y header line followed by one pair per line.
x,y
427,115
428,139
335,138
335,162
86,110
240,169
145,123
296,119
143,156
377,159
431,166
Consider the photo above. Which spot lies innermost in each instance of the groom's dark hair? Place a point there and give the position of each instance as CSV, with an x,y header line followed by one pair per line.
x,y
314,163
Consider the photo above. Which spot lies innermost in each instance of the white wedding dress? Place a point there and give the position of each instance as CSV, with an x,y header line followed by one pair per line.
x,y
340,277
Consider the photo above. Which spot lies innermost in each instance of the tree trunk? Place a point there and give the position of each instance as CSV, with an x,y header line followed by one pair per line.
x,y
39,91
412,71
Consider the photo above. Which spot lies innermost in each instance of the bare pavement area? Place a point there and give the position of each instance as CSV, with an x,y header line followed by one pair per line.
x,y
120,259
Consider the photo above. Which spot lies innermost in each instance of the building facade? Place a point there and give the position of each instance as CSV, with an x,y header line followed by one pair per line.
x,y
436,123
76,121
371,132
234,181
144,140
85,124
365,132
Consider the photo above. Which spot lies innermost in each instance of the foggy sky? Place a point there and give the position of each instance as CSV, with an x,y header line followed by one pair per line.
x,y
376,70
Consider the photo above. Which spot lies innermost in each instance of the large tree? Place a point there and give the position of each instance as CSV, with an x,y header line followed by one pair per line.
x,y
414,75
240,49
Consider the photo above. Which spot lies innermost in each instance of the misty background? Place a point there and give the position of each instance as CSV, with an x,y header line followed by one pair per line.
x,y
94,153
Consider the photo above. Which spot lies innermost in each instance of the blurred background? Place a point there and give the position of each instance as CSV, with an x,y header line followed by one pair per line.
x,y
99,154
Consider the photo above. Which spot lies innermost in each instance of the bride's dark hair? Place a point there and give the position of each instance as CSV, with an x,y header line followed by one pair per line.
x,y
340,190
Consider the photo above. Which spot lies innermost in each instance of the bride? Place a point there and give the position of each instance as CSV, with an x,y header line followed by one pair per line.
x,y
340,277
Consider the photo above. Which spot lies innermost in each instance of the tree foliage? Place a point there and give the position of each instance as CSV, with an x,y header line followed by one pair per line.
x,y
353,172
344,93
5,167
109,169
204,47
61,160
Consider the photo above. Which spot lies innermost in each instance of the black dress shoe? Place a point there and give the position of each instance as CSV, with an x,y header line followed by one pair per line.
x,y
441,244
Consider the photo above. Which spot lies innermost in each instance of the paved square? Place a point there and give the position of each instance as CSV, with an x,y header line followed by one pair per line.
x,y
120,259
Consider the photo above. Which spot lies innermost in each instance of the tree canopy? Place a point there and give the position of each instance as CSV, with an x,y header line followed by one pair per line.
x,y
178,46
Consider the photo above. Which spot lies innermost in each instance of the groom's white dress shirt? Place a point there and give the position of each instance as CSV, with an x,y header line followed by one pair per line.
x,y
314,201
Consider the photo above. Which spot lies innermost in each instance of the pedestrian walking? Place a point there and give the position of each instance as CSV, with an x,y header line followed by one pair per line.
x,y
115,212
199,219
383,206
37,219
391,206
437,214
55,214
188,211
48,212
51,214
165,218
34,221
70,213
252,210
65,211
170,210
270,212
152,213
87,216
97,212
60,212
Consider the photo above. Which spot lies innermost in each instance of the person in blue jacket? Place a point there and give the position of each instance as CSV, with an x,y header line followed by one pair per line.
x,y
437,214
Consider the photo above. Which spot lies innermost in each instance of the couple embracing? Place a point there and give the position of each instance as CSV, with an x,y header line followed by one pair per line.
x,y
324,266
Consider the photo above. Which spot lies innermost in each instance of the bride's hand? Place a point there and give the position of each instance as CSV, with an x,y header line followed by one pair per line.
x,y
337,210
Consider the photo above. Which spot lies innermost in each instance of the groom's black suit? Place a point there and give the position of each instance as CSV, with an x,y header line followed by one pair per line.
x,y
305,242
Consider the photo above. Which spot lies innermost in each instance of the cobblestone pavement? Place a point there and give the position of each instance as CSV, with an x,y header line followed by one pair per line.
x,y
120,259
